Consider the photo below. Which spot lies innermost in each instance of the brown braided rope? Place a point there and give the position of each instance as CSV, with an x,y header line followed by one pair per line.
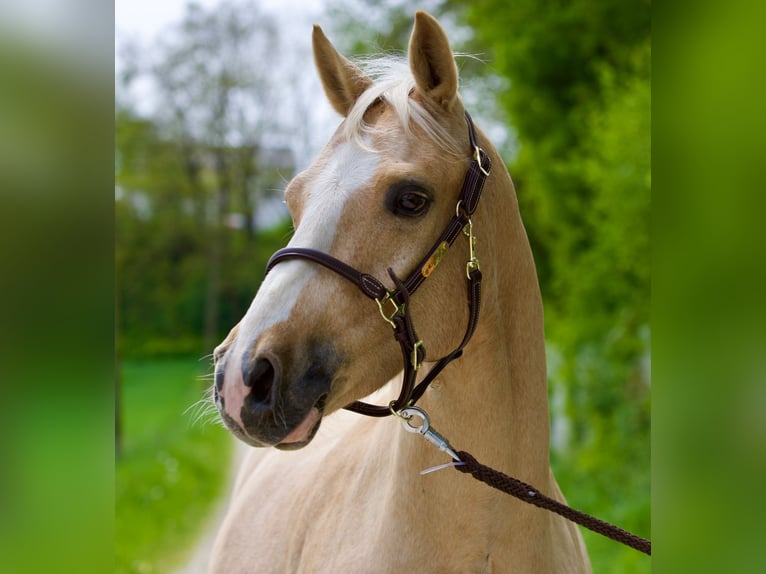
x,y
531,495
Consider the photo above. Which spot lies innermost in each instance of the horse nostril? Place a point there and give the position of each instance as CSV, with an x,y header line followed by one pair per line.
x,y
260,379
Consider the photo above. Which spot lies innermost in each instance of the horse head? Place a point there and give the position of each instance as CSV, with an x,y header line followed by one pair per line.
x,y
377,197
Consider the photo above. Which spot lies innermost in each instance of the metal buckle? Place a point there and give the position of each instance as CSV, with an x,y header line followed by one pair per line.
x,y
473,261
398,414
414,357
477,156
406,415
397,309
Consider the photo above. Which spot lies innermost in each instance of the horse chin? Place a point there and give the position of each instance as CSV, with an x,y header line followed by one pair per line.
x,y
263,431
302,435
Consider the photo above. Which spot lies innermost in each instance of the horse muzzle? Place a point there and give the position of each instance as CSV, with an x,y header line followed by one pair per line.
x,y
275,399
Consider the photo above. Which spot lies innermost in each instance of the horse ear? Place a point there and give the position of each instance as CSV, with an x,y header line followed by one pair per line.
x,y
432,62
343,82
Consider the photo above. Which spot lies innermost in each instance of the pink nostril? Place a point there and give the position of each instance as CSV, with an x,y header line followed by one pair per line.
x,y
260,379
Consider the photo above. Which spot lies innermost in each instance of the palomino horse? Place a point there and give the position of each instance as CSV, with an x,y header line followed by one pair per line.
x,y
352,499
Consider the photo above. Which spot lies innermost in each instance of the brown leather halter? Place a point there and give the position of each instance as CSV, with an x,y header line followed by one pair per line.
x,y
394,305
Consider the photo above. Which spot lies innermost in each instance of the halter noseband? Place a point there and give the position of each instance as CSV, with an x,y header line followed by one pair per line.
x,y
394,305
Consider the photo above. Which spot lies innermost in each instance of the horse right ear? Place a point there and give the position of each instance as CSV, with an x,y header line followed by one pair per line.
x,y
432,62
343,82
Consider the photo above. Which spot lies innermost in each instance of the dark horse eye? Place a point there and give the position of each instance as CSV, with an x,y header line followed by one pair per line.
x,y
408,200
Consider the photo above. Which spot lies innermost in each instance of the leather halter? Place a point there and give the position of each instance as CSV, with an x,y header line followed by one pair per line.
x,y
394,305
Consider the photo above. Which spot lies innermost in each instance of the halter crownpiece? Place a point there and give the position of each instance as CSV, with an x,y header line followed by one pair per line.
x,y
394,305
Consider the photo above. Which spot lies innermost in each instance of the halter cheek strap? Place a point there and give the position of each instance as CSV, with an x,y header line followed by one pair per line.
x,y
394,305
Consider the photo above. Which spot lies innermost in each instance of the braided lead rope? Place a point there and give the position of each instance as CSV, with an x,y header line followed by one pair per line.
x,y
531,495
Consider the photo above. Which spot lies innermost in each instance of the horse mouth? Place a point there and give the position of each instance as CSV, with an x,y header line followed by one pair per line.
x,y
303,434
280,404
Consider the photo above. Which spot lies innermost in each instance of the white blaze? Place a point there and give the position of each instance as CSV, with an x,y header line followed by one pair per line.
x,y
348,169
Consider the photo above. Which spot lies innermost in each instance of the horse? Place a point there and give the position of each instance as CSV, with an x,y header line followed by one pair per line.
x,y
340,492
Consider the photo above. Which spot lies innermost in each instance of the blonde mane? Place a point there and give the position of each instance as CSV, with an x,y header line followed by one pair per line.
x,y
393,83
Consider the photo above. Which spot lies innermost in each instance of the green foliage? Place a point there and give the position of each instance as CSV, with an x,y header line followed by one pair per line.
x,y
580,97
191,176
163,250
171,469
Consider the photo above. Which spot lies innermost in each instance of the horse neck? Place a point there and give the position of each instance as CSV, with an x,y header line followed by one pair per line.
x,y
492,402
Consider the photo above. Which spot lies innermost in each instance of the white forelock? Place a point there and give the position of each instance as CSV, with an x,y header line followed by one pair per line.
x,y
393,83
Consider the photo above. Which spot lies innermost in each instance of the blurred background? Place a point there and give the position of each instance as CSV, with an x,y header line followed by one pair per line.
x,y
217,105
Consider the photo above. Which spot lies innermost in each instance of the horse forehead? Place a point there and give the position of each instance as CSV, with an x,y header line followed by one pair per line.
x,y
329,183
346,168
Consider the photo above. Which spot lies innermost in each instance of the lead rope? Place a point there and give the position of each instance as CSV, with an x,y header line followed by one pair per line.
x,y
466,463
531,495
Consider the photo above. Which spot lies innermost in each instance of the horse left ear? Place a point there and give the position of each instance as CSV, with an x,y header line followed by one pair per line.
x,y
432,62
343,82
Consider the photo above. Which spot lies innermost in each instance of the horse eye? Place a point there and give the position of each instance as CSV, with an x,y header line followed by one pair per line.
x,y
410,202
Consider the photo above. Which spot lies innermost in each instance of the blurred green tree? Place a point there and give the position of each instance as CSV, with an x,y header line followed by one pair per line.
x,y
218,105
191,174
580,98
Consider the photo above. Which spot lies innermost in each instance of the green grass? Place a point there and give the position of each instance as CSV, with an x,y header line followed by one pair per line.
x,y
170,471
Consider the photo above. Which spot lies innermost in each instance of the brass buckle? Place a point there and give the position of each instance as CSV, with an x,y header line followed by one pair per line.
x,y
477,156
398,414
414,358
389,317
473,261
